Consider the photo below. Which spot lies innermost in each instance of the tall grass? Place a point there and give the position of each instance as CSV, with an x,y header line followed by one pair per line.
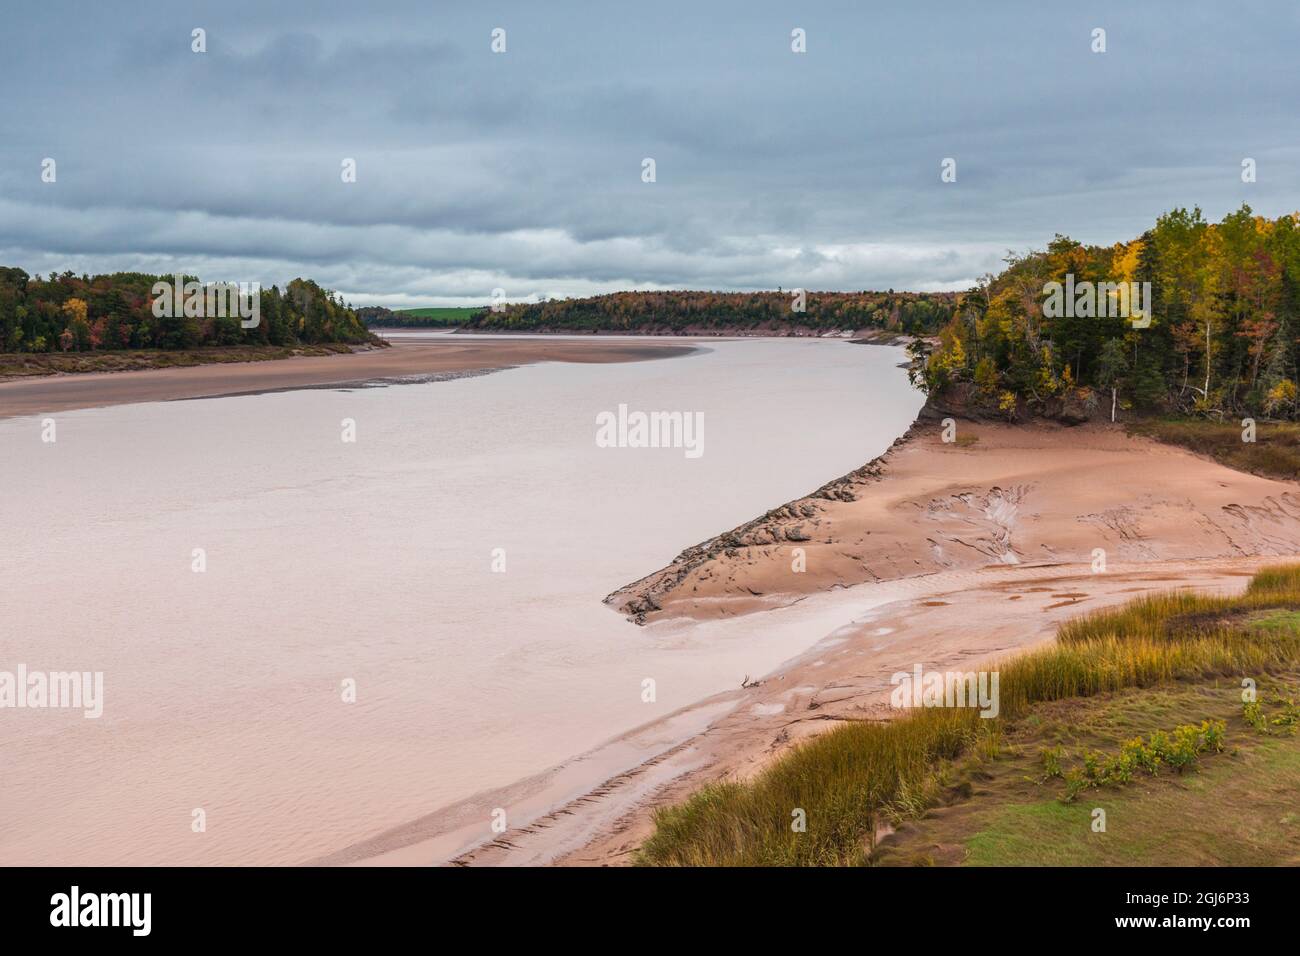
x,y
849,781
1275,452
1281,579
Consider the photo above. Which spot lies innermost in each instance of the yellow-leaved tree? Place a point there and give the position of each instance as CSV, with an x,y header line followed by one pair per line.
x,y
75,313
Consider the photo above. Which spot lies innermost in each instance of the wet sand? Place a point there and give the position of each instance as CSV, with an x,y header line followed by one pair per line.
x,y
999,495
414,359
963,620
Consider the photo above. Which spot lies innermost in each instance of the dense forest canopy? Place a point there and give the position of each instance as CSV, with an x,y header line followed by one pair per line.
x,y
1219,337
80,313
681,311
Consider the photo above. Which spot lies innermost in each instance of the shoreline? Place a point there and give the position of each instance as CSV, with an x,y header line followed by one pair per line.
x,y
23,366
596,808
844,677
869,336
404,361
940,554
1024,494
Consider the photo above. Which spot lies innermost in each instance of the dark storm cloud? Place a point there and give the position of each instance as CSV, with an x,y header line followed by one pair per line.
x,y
522,170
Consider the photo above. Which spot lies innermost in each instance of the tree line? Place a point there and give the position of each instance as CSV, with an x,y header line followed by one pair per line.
x,y
84,313
1216,335
684,311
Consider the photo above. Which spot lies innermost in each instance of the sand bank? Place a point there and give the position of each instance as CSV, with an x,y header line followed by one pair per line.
x,y
998,495
416,359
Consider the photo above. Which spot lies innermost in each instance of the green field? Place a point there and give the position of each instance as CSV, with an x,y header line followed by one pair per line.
x,y
448,314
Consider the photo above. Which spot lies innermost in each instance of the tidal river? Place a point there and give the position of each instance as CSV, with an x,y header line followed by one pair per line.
x,y
306,640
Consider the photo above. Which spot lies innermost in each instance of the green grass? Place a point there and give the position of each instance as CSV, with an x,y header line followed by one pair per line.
x,y
1234,811
1282,579
1234,807
860,779
1275,453
450,314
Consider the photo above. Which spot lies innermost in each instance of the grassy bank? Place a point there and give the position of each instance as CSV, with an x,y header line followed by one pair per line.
x,y
24,364
1229,807
861,780
1275,453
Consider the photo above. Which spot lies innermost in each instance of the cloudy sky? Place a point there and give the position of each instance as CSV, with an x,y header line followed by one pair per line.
x,y
522,170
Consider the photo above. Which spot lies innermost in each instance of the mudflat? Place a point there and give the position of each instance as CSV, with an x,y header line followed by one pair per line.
x,y
1000,495
434,355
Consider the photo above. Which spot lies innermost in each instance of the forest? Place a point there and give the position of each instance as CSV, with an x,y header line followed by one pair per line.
x,y
69,313
1218,339
683,312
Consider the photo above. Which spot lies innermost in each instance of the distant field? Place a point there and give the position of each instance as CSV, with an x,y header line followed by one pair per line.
x,y
448,314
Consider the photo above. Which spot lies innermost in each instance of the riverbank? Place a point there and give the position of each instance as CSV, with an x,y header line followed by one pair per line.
x,y
964,621
766,330
940,553
406,360
1033,493
21,365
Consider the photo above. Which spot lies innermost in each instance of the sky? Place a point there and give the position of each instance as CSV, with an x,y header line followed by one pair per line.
x,y
523,170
